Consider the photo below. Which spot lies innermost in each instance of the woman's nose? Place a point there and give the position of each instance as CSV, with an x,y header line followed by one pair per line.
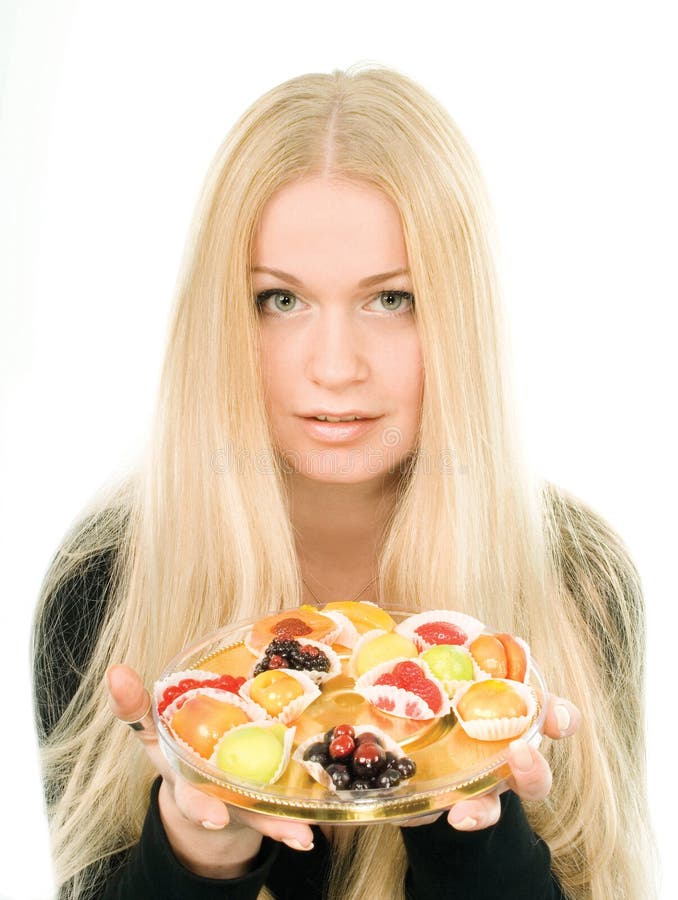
x,y
336,355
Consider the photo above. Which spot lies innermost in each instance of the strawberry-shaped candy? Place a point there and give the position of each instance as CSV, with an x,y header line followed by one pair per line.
x,y
411,677
442,633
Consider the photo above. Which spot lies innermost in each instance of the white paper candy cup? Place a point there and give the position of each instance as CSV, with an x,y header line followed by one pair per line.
x,y
452,685
315,675
500,729
329,638
318,773
349,634
286,750
295,707
468,624
398,701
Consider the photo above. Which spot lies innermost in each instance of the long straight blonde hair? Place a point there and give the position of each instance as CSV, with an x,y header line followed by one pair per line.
x,y
490,538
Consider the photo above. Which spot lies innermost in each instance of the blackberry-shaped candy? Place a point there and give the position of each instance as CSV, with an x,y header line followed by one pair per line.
x,y
290,654
340,775
358,762
318,753
368,760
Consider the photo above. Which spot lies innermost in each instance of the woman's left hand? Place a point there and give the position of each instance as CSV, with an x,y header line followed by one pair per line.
x,y
530,775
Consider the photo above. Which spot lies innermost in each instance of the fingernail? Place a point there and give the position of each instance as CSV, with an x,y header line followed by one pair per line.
x,y
297,845
465,824
562,714
212,826
521,758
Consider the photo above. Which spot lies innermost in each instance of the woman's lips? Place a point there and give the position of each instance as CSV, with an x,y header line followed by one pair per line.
x,y
338,432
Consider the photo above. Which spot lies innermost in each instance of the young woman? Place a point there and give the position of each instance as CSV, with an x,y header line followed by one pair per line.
x,y
341,264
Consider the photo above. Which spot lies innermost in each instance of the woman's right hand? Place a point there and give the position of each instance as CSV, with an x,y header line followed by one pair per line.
x,y
207,836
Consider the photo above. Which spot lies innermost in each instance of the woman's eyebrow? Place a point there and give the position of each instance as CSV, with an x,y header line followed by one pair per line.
x,y
365,282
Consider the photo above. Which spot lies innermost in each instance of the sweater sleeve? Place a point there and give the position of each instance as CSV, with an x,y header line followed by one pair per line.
x,y
152,871
507,860
65,638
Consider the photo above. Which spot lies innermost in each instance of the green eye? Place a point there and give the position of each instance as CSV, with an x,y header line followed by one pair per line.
x,y
398,298
289,298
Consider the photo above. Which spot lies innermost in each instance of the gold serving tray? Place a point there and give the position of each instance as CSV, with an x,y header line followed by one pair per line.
x,y
450,765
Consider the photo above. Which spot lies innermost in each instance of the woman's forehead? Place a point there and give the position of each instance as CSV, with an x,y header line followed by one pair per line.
x,y
319,222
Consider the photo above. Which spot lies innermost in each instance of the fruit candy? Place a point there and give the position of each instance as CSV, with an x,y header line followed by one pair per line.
x,y
449,664
372,651
224,682
411,677
291,654
441,633
355,758
491,699
365,616
254,752
303,622
274,689
500,655
203,719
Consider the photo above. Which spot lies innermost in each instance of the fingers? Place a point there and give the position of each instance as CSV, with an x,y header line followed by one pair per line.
x,y
531,776
296,835
562,718
198,807
472,815
420,820
130,702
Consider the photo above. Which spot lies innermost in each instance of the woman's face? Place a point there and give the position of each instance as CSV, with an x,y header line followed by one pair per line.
x,y
337,327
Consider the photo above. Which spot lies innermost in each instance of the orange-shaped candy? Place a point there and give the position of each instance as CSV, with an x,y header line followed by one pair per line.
x,y
516,659
488,651
274,689
364,616
491,699
302,623
202,720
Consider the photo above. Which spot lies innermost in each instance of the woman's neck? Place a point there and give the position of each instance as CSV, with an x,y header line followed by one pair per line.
x,y
339,529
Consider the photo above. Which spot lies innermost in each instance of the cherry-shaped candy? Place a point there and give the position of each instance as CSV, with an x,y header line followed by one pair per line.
x,y
341,746
368,760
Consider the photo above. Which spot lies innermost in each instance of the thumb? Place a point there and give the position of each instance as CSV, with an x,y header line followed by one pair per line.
x,y
128,698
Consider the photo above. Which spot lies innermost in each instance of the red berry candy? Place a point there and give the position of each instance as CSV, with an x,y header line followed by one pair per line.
x,y
344,729
368,737
430,694
442,633
228,683
408,674
387,679
169,695
277,662
341,747
368,759
291,628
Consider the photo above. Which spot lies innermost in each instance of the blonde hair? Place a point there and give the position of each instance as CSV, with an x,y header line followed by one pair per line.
x,y
490,538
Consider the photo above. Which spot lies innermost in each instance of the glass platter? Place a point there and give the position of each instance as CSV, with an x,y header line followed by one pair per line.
x,y
450,765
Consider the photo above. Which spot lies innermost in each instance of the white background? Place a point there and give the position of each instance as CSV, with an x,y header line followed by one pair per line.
x,y
110,114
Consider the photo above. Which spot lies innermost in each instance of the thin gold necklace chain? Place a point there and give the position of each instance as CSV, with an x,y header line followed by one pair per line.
x,y
361,591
